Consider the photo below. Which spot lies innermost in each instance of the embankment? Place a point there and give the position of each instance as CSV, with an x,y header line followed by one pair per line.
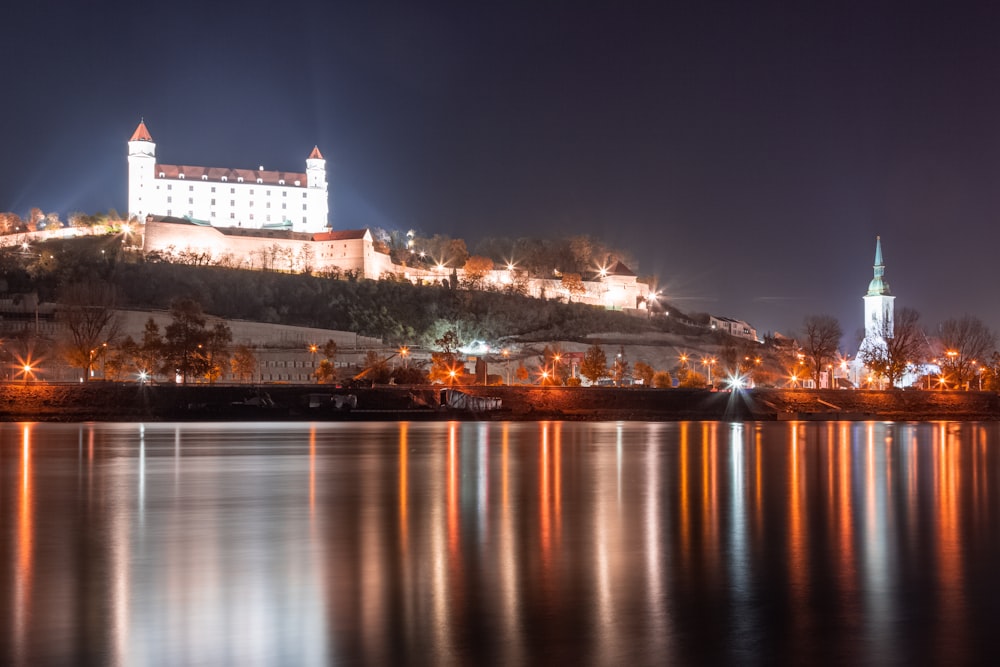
x,y
132,402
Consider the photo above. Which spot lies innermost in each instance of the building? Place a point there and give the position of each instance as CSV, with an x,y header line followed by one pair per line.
x,y
879,314
225,197
737,328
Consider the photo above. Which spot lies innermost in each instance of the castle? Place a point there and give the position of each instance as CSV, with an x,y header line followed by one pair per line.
x,y
276,220
222,197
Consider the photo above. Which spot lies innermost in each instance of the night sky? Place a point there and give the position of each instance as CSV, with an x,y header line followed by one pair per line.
x,y
747,153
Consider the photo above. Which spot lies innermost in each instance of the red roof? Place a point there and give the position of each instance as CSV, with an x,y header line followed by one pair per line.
x,y
175,171
619,269
315,155
141,133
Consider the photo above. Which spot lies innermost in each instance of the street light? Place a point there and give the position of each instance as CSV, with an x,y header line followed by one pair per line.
x,y
404,352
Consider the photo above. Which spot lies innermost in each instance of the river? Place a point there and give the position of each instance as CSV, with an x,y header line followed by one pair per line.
x,y
500,543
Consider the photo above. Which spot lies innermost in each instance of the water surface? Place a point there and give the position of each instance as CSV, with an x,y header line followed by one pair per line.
x,y
493,543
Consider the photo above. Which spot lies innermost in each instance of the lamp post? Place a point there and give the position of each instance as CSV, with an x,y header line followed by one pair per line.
x,y
506,357
404,352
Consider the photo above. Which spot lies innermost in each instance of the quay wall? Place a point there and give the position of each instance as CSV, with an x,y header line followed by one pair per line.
x,y
106,401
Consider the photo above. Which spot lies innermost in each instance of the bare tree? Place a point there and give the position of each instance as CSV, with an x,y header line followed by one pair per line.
x,y
87,311
896,348
967,342
821,338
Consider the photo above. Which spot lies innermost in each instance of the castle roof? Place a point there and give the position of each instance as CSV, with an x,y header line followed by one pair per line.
x,y
315,155
141,133
265,177
619,269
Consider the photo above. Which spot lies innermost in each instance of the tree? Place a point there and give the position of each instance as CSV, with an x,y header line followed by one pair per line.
x,y
120,359
620,370
967,342
477,268
184,339
595,364
216,350
573,284
521,373
376,368
87,311
325,373
820,341
662,380
644,372
243,363
149,354
895,349
444,367
693,380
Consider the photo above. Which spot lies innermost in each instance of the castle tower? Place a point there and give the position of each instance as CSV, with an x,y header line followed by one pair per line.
x,y
141,168
878,300
316,188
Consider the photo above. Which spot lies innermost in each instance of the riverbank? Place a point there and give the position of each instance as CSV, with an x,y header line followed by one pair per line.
x,y
132,402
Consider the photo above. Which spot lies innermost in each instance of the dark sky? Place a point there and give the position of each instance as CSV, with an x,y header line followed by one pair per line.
x,y
746,153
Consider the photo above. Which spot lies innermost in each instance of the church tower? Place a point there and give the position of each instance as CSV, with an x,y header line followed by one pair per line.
x,y
878,300
316,187
141,176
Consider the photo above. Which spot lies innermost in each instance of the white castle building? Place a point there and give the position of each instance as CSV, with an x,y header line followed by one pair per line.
x,y
223,197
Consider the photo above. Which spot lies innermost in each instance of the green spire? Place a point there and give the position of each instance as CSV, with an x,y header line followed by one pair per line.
x,y
878,286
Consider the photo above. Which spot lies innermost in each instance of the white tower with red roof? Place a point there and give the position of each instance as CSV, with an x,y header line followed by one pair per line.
x,y
141,173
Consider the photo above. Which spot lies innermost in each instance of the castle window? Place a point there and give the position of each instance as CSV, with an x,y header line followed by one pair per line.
x,y
213,188
204,178
268,205
251,203
232,216
305,194
170,200
162,174
170,187
303,219
232,202
180,176
190,188
251,190
190,200
213,202
284,193
303,207
296,183
239,180
225,179
213,214
284,206
269,218
268,193
281,181
259,181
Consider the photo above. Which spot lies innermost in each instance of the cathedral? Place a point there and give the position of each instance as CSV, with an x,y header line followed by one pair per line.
x,y
879,310
224,197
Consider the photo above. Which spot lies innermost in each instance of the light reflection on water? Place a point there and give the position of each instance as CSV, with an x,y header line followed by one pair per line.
x,y
479,543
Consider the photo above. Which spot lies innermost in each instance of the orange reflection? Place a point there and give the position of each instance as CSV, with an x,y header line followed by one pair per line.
x,y
544,496
312,471
685,491
25,542
403,484
453,508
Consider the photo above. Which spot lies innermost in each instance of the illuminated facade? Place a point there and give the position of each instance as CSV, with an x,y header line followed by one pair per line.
x,y
879,316
223,197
